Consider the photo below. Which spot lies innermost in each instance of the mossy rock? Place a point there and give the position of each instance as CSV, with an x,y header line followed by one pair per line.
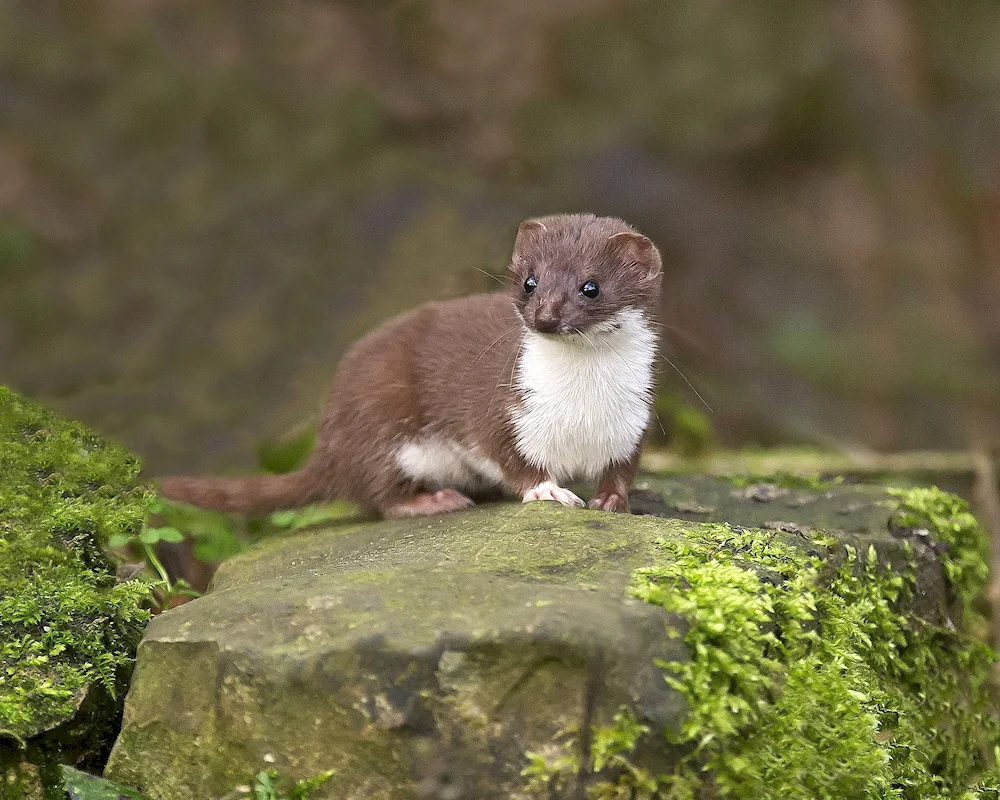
x,y
68,631
538,651
953,471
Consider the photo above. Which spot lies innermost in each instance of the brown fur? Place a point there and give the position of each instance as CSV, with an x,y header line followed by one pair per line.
x,y
446,369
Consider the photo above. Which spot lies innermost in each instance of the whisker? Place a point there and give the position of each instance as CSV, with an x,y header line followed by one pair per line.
x,y
586,338
483,352
517,354
656,416
513,366
690,385
506,282
683,376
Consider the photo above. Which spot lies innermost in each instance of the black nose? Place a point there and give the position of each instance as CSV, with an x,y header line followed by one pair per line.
x,y
546,323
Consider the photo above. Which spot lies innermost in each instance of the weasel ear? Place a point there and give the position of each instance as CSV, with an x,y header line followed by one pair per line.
x,y
527,231
639,249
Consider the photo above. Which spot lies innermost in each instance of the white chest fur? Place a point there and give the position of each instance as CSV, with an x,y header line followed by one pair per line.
x,y
585,401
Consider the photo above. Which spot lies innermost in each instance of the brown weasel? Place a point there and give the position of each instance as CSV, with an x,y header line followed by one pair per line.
x,y
521,391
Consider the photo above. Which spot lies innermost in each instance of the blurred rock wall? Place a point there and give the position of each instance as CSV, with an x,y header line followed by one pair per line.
x,y
203,203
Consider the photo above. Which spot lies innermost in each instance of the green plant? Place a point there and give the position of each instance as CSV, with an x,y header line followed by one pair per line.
x,y
162,589
269,785
216,535
294,519
288,453
552,770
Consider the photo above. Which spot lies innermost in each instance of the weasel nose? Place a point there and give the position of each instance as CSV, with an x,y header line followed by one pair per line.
x,y
546,321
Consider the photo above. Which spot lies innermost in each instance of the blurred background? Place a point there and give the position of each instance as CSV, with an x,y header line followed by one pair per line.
x,y
203,203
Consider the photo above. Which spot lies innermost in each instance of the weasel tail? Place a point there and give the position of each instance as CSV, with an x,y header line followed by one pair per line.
x,y
256,494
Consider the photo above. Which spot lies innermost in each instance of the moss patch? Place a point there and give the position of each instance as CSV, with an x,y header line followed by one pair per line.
x,y
947,519
67,630
952,471
807,680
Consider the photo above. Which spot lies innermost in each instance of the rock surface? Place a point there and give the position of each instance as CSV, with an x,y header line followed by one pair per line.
x,y
442,657
424,654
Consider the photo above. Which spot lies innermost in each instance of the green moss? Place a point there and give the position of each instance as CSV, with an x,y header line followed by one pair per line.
x,y
788,480
19,778
806,679
953,470
65,626
948,520
870,702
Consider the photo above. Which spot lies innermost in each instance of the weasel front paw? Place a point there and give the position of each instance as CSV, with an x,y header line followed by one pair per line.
x,y
547,490
610,502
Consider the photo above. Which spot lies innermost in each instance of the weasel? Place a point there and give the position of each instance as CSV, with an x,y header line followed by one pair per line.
x,y
522,390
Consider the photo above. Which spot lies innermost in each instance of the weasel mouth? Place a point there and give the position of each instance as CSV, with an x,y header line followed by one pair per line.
x,y
580,336
600,329
562,332
574,333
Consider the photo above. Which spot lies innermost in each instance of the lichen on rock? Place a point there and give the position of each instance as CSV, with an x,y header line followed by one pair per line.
x,y
68,631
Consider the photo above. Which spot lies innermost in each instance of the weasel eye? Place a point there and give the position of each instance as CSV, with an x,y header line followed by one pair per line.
x,y
590,289
530,284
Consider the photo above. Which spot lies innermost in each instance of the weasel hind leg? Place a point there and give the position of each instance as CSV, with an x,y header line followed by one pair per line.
x,y
430,504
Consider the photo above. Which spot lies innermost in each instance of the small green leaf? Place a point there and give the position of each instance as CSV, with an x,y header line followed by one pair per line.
x,y
154,535
218,545
283,519
119,540
263,785
149,536
170,535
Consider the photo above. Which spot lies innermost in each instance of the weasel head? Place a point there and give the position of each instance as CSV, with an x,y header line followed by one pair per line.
x,y
575,273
